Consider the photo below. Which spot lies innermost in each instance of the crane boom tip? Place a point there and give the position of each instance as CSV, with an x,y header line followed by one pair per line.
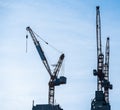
x,y
108,38
97,7
27,28
62,56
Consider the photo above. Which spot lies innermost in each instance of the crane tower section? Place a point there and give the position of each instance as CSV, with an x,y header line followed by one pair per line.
x,y
100,56
101,100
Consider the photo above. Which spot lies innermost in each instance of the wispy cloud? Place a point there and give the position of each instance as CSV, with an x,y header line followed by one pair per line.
x,y
70,27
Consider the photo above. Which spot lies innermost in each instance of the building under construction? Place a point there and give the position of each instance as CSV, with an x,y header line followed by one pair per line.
x,y
101,100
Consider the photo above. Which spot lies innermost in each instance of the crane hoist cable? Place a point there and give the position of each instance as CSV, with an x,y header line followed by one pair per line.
x,y
47,43
51,46
44,42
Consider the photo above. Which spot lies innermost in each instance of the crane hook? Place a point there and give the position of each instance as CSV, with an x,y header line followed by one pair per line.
x,y
26,43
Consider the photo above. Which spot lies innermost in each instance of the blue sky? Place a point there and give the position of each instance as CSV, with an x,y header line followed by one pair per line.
x,y
70,27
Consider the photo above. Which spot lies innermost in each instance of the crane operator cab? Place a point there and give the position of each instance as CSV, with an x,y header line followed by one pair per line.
x,y
59,81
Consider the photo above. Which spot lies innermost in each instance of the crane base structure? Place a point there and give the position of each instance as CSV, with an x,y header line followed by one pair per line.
x,y
99,103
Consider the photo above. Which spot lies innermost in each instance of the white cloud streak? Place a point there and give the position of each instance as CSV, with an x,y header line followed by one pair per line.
x,y
70,27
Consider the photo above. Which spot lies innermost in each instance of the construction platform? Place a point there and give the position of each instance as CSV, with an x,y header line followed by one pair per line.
x,y
46,107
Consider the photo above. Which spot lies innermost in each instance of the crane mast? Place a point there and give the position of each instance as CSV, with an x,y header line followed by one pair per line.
x,y
54,80
101,100
107,84
100,56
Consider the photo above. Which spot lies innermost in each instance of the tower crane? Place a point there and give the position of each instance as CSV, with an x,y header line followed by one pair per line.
x,y
100,56
54,80
101,100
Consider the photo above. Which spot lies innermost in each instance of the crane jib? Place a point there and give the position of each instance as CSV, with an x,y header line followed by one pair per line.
x,y
40,51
